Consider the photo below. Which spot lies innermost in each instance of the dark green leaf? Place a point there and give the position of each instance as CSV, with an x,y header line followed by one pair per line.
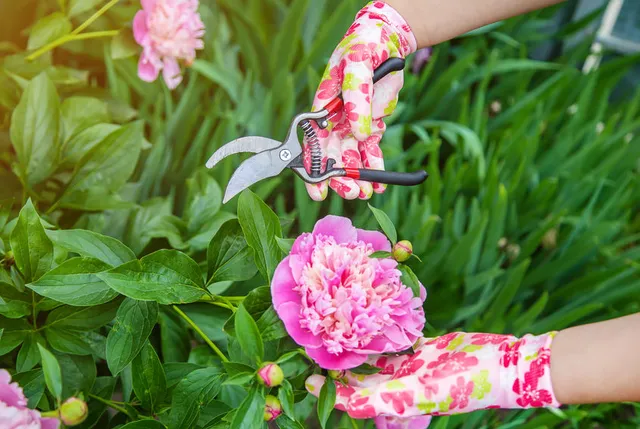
x,y
385,223
165,276
76,342
235,368
209,318
284,422
48,29
251,412
289,355
176,371
409,279
52,372
13,303
149,381
256,303
285,395
326,401
102,388
82,318
366,369
29,354
32,249
174,337
78,373
74,282
248,335
228,255
285,244
144,424
381,254
270,325
35,130
261,227
14,332
32,384
92,245
195,391
240,379
134,322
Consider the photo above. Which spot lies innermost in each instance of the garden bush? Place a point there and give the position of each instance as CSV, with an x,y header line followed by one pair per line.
x,y
126,283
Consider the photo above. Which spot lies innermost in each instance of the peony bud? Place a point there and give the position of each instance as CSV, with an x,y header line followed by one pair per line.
x,y
272,408
73,411
336,375
402,250
8,259
513,251
270,374
550,239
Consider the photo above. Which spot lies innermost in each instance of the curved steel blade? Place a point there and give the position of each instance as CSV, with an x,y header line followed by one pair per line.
x,y
251,144
261,166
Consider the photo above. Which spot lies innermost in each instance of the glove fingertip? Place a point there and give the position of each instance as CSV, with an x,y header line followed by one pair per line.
x,y
314,383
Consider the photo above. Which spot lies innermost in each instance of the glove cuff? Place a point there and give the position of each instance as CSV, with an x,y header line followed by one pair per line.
x,y
527,378
382,11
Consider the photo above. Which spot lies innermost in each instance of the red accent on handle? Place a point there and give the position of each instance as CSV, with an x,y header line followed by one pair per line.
x,y
334,105
353,173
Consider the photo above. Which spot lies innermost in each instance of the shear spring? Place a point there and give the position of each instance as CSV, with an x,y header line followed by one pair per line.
x,y
314,146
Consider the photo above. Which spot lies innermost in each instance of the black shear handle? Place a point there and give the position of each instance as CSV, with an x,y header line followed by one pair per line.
x,y
389,66
387,177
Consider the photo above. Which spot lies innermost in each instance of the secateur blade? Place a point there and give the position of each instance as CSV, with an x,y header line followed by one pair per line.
x,y
250,144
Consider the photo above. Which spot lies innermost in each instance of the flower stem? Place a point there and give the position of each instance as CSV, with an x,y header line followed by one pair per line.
x,y
196,328
69,38
110,404
95,16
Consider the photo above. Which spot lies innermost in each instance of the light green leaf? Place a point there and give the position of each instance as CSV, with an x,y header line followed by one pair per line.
x,y
285,395
149,380
32,384
261,227
271,326
204,198
385,223
77,7
80,113
92,245
76,342
134,322
29,355
79,144
381,255
48,29
32,249
240,379
123,45
248,335
228,255
409,279
13,303
74,282
326,401
165,276
285,244
52,372
251,411
193,393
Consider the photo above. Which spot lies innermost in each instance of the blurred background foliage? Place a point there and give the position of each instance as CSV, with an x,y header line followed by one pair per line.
x,y
529,221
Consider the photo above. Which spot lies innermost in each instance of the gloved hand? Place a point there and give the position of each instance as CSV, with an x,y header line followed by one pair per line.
x,y
452,374
353,136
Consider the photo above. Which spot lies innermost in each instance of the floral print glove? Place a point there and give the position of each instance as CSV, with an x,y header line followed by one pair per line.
x,y
353,135
456,373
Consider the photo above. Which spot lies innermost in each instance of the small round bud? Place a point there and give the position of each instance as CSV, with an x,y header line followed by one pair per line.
x,y
502,243
496,107
513,251
272,408
336,375
402,250
550,239
73,411
270,375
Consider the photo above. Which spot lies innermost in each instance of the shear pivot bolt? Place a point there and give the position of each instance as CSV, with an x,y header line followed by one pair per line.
x,y
285,155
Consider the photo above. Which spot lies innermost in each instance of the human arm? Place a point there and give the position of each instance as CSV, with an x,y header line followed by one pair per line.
x,y
436,21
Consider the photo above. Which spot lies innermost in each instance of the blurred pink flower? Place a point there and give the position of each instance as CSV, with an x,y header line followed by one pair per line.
x,y
390,422
14,413
339,303
168,31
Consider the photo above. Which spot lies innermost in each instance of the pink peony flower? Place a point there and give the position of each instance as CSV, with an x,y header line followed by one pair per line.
x,y
168,31
390,422
339,303
14,413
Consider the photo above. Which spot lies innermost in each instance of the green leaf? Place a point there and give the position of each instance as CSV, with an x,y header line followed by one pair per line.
x,y
134,322
78,373
366,369
123,45
285,395
210,319
248,335
165,276
48,29
228,255
285,244
76,342
149,380
410,279
251,412
271,326
102,388
82,318
84,141
77,7
326,401
193,393
29,355
92,245
385,223
381,254
80,113
32,384
176,371
74,282
52,373
174,337
256,303
13,303
32,249
144,424
14,332
240,379
204,198
507,293
261,227
235,368
285,422
35,130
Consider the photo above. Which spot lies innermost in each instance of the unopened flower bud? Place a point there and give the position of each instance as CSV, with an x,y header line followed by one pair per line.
x,y
496,107
402,250
550,239
270,374
336,375
502,243
513,251
73,411
8,259
272,408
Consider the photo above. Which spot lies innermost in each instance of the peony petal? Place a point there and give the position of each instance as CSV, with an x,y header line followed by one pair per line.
x,y
289,313
146,70
397,336
297,264
377,239
337,227
148,5
377,345
11,393
345,360
49,423
171,73
282,285
140,28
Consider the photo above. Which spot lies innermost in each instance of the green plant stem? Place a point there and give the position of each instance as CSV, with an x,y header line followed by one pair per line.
x,y
196,328
223,305
70,38
109,404
95,16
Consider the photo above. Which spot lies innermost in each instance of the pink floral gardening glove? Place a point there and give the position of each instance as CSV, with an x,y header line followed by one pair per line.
x,y
452,374
353,136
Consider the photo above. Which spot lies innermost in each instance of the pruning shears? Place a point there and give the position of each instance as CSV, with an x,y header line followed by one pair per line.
x,y
273,156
